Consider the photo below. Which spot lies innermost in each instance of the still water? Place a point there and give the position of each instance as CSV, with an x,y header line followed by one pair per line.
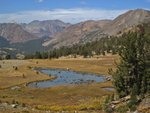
x,y
66,77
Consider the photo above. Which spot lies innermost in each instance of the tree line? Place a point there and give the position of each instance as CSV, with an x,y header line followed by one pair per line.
x,y
98,47
110,44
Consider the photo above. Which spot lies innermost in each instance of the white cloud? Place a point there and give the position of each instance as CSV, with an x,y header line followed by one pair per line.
x,y
67,15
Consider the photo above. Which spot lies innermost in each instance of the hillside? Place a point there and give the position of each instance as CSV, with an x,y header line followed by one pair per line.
x,y
4,42
45,28
129,19
77,32
28,38
93,30
29,47
15,33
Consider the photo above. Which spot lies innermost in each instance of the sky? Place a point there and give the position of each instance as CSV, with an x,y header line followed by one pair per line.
x,y
71,11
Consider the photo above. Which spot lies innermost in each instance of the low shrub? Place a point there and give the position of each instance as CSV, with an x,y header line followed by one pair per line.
x,y
122,109
23,105
106,104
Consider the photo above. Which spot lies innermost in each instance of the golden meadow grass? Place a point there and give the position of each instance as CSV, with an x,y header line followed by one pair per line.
x,y
72,97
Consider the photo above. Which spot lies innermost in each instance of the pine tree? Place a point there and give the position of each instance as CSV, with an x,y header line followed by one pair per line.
x,y
132,72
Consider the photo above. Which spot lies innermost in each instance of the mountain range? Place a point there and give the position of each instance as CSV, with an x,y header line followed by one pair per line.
x,y
15,33
92,30
43,35
74,33
45,28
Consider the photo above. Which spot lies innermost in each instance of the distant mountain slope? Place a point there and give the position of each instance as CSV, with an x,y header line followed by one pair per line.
x,y
3,42
126,20
92,30
15,33
45,28
30,46
73,34
27,37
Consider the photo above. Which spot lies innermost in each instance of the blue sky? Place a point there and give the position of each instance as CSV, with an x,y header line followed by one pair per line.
x,y
72,11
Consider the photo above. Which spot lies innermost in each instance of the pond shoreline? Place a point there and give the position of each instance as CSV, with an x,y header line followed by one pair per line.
x,y
69,69
57,73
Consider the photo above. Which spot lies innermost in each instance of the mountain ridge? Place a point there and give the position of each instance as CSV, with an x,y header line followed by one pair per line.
x,y
81,33
74,34
45,28
77,31
16,33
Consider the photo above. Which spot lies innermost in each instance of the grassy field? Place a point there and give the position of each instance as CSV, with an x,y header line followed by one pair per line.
x,y
14,72
72,97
